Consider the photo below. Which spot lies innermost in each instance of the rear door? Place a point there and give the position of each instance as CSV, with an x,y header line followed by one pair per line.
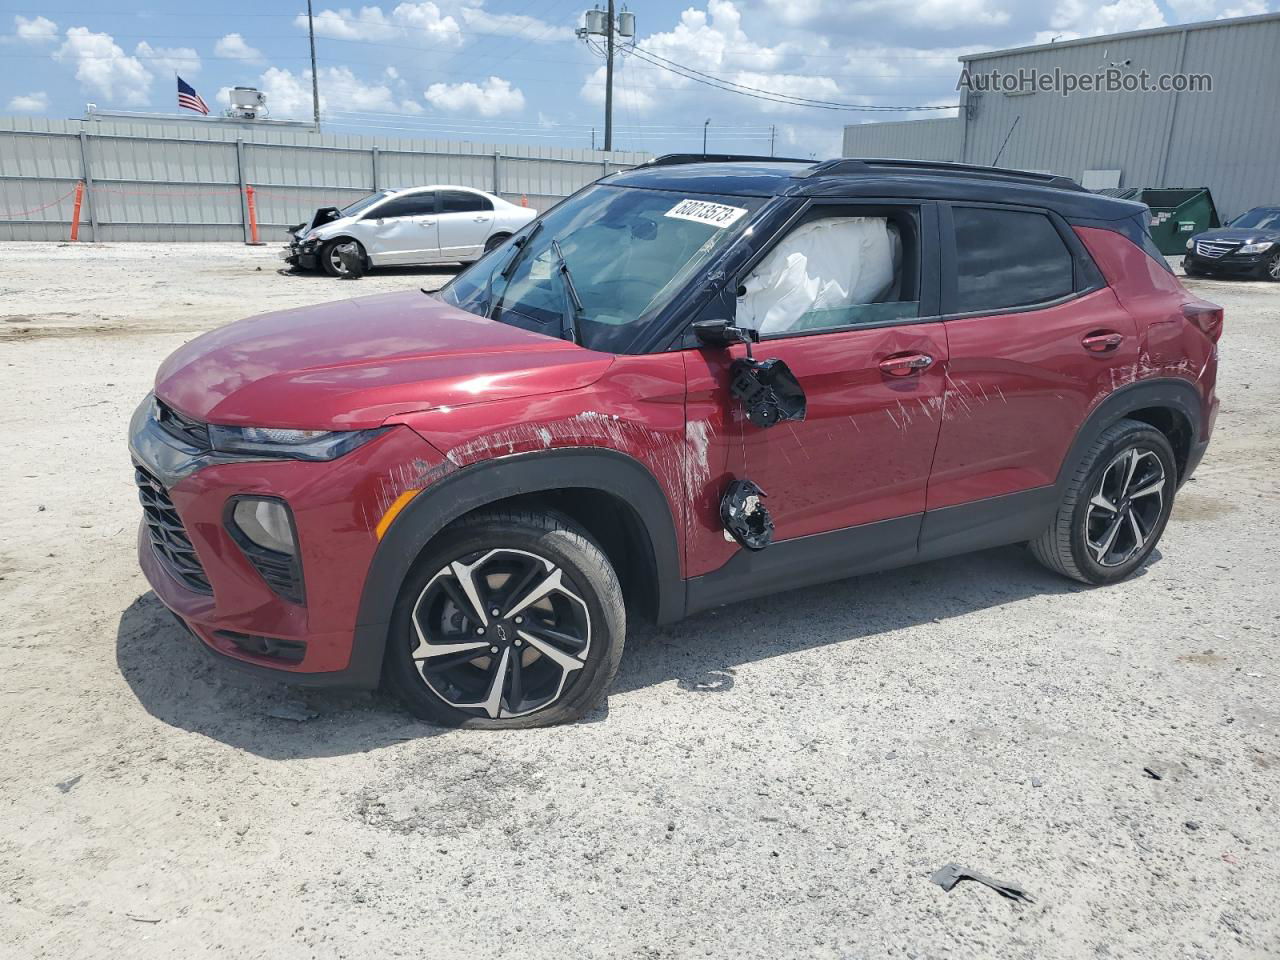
x,y
401,230
1036,337
466,220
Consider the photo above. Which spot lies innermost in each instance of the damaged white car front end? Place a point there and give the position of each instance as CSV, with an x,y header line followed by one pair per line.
x,y
416,226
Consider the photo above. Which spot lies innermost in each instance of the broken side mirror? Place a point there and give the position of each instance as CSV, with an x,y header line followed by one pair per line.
x,y
722,333
768,390
745,517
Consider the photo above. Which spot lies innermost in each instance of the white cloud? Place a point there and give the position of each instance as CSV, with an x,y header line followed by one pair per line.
x,y
1087,18
103,68
407,23
930,14
35,29
37,102
514,25
495,96
234,47
181,60
289,94
1186,11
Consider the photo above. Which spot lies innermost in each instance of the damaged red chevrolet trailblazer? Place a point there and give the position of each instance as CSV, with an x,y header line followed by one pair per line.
x,y
465,494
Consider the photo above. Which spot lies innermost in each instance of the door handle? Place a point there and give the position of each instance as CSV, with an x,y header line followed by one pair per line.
x,y
1102,341
480,219
905,364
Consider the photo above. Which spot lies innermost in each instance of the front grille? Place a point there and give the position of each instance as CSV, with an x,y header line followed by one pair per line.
x,y
168,535
1213,250
181,426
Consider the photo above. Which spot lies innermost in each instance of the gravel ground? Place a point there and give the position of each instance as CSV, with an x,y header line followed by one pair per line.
x,y
777,778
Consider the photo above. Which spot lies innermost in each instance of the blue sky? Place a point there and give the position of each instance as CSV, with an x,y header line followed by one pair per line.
x,y
512,70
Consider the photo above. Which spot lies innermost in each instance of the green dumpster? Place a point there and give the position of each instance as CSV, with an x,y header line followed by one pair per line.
x,y
1176,213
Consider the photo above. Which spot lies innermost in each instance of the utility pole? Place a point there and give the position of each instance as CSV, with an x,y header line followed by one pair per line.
x,y
609,25
315,80
704,135
608,81
772,130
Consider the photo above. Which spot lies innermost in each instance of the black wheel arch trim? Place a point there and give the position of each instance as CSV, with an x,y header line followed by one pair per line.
x,y
1161,392
490,481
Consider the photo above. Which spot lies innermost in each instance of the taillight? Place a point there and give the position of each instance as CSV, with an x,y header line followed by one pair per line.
x,y
1207,316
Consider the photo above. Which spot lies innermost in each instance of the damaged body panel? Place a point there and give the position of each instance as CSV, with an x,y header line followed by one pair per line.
x,y
687,385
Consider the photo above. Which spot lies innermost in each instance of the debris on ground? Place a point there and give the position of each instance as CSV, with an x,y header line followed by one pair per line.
x,y
298,712
66,785
953,873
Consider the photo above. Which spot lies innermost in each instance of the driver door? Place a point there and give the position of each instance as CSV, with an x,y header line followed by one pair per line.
x,y
848,300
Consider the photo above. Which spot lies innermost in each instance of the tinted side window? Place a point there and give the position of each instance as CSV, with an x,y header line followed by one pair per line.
x,y
1008,258
414,205
455,201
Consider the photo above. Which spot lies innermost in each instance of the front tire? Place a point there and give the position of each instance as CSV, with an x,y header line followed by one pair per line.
x,y
1271,269
332,262
1115,507
509,619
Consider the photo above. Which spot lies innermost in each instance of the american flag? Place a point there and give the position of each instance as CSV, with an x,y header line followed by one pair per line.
x,y
189,99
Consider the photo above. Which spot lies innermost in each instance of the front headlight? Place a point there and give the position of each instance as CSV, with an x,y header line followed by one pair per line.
x,y
277,443
1191,243
1262,246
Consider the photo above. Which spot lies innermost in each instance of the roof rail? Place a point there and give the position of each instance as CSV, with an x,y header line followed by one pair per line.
x,y
868,166
671,159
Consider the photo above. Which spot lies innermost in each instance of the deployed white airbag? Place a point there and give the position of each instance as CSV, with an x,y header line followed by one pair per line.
x,y
824,266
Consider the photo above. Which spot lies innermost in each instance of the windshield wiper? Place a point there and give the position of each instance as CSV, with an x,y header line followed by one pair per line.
x,y
573,303
522,244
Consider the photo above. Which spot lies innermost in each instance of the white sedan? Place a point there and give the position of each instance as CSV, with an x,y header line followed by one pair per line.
x,y
418,225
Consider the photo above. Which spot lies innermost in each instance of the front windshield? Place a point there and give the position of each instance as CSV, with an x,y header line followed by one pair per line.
x,y
364,203
629,251
1259,218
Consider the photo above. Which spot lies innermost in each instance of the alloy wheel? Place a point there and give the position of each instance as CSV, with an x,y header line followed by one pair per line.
x,y
335,257
1273,267
500,633
1126,506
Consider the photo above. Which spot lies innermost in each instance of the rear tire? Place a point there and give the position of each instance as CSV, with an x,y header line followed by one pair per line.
x,y
534,663
1115,507
497,240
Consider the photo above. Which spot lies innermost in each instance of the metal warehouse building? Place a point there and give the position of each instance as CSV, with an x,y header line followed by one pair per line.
x,y
1227,139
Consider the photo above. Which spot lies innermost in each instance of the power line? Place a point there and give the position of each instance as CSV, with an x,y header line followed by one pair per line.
x,y
758,93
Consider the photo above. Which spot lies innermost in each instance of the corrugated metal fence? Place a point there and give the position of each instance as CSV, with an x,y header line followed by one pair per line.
x,y
145,181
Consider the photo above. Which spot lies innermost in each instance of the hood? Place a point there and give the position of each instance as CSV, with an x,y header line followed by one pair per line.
x,y
323,231
1238,235
353,363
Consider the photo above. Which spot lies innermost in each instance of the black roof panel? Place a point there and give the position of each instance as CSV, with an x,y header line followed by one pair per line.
x,y
875,178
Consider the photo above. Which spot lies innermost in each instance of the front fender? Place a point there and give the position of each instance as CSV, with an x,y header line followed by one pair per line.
x,y
489,481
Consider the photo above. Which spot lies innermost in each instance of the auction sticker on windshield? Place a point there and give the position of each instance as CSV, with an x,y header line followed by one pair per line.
x,y
700,211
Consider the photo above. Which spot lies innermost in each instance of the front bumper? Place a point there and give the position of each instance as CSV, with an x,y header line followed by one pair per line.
x,y
1231,263
295,255
336,506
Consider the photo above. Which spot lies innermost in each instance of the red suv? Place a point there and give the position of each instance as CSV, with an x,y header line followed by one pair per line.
x,y
691,383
